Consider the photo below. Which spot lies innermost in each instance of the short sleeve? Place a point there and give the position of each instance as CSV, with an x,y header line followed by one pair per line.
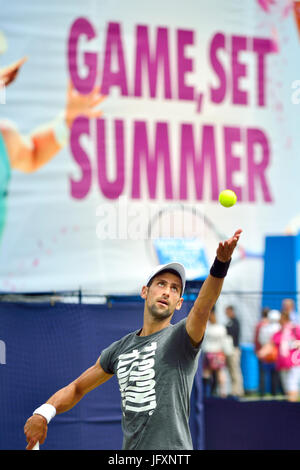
x,y
107,358
185,341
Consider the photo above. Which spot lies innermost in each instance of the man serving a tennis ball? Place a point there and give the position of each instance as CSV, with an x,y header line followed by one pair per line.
x,y
155,365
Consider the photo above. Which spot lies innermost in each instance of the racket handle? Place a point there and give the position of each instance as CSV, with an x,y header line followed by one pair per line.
x,y
37,446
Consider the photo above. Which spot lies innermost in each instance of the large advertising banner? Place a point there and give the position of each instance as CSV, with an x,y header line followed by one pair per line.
x,y
121,122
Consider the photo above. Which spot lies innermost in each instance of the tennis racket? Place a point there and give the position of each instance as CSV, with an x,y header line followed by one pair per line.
x,y
37,446
188,221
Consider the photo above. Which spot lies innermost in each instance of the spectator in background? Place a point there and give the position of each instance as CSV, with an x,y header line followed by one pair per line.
x,y
214,359
257,346
287,341
268,361
288,306
263,320
233,360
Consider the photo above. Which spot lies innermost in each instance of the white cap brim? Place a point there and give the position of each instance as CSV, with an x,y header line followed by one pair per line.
x,y
178,267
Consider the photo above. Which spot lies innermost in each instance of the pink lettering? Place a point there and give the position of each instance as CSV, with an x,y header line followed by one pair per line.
x,y
206,156
217,94
261,47
239,43
160,62
114,48
79,189
84,85
185,65
232,161
161,157
111,189
256,170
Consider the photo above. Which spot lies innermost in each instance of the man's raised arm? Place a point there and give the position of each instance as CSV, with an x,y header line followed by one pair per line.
x,y
63,400
210,290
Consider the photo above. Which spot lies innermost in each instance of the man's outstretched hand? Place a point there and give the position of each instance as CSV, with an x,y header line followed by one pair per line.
x,y
225,249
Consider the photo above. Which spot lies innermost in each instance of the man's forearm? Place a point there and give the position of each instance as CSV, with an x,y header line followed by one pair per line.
x,y
65,398
199,314
208,295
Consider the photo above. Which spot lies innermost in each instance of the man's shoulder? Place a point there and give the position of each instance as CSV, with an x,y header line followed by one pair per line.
x,y
127,337
180,324
118,343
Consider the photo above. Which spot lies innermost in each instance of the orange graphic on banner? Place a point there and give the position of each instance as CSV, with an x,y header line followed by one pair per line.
x,y
297,15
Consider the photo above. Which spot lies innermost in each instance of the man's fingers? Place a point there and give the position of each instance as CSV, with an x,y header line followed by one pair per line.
x,y
42,439
238,233
235,237
31,444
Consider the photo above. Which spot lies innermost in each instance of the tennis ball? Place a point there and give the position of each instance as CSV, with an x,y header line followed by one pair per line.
x,y
227,198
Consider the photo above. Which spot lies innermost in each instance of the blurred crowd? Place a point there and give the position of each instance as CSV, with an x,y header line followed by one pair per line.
x,y
222,356
276,344
277,347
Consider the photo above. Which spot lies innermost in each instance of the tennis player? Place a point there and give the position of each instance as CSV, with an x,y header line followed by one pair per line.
x,y
155,365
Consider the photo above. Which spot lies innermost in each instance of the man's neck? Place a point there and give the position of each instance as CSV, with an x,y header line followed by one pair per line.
x,y
150,327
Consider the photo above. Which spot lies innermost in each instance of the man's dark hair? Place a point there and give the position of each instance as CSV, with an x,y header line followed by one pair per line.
x,y
172,271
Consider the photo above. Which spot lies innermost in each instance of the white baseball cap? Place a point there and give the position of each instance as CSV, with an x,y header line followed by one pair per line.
x,y
178,267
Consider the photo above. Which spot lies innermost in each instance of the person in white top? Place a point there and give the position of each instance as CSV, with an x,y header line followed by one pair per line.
x,y
214,359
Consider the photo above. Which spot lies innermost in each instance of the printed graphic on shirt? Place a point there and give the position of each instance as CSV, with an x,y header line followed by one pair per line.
x,y
136,376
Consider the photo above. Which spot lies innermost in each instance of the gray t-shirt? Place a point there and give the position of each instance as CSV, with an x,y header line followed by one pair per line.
x,y
155,375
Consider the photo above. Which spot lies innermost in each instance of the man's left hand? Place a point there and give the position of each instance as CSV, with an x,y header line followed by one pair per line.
x,y
225,249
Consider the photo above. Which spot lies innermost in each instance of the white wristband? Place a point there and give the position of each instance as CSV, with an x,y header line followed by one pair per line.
x,y
61,130
46,410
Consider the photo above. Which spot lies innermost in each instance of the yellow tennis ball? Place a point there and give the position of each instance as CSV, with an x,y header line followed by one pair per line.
x,y
227,198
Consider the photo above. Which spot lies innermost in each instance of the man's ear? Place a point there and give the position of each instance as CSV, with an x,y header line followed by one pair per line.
x,y
179,304
144,292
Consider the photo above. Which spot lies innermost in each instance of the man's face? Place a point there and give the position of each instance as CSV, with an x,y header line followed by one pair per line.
x,y
162,297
